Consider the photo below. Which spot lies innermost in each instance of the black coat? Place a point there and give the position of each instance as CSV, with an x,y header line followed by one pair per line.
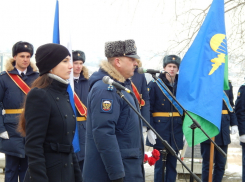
x,y
12,97
50,127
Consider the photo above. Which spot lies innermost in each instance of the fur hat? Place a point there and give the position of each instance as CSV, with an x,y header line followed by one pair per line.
x,y
50,55
119,48
171,59
78,55
22,47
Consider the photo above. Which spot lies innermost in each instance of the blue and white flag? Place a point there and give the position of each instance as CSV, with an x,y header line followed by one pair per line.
x,y
70,89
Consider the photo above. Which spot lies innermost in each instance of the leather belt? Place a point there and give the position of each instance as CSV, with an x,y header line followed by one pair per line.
x,y
81,118
165,114
13,111
225,112
57,147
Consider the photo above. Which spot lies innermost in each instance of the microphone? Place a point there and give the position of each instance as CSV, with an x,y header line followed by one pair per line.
x,y
108,80
152,71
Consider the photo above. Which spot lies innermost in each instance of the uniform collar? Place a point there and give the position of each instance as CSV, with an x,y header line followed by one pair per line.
x,y
21,71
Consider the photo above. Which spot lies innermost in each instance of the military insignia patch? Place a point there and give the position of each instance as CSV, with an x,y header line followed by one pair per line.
x,y
148,89
106,105
238,95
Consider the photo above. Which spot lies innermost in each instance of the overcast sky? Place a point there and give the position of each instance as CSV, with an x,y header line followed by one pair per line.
x,y
91,23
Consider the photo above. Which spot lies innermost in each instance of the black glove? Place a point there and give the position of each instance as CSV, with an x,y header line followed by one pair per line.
x,y
118,180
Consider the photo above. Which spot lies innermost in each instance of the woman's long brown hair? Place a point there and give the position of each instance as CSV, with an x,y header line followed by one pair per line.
x,y
41,82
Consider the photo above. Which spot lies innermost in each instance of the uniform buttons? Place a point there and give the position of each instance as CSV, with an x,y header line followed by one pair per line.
x,y
30,177
65,116
65,165
72,164
57,98
73,116
159,121
73,132
67,133
68,100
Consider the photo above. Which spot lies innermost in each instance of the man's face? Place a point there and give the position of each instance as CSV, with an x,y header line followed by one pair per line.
x,y
22,60
127,66
77,66
172,69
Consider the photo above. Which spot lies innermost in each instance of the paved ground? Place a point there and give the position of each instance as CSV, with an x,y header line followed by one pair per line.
x,y
233,172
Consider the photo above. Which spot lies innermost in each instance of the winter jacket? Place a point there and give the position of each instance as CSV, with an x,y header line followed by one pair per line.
x,y
12,97
114,141
170,128
50,128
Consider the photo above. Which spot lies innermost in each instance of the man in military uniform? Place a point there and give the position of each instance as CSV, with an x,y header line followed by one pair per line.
x,y
240,113
114,141
14,85
165,118
139,86
81,85
228,119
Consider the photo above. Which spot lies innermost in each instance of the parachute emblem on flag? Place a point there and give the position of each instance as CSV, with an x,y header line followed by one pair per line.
x,y
216,45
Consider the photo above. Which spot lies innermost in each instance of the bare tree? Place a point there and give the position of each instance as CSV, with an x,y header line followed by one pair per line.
x,y
191,21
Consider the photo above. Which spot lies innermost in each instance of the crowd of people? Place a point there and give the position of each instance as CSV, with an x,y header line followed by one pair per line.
x,y
38,124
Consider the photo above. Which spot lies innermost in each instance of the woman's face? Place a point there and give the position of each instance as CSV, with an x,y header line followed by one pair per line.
x,y
63,69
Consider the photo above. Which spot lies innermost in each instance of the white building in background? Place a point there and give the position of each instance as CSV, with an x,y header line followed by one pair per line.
x,y
4,56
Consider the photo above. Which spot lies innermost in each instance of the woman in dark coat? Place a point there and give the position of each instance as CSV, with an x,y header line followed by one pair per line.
x,y
49,121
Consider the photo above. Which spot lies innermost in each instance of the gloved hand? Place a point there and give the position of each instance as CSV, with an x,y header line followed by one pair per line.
x,y
144,129
4,135
118,180
151,137
242,138
234,130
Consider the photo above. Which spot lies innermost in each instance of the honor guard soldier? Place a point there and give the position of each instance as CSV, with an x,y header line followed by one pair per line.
x,y
114,141
240,113
165,119
14,85
228,119
81,93
139,86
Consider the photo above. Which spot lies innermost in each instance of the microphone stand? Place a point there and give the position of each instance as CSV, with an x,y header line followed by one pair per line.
x,y
164,142
193,127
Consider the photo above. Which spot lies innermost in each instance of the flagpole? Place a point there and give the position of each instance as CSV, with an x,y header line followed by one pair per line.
x,y
211,161
192,153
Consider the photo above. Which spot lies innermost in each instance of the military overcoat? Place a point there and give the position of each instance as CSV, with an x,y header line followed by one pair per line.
x,y
12,97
